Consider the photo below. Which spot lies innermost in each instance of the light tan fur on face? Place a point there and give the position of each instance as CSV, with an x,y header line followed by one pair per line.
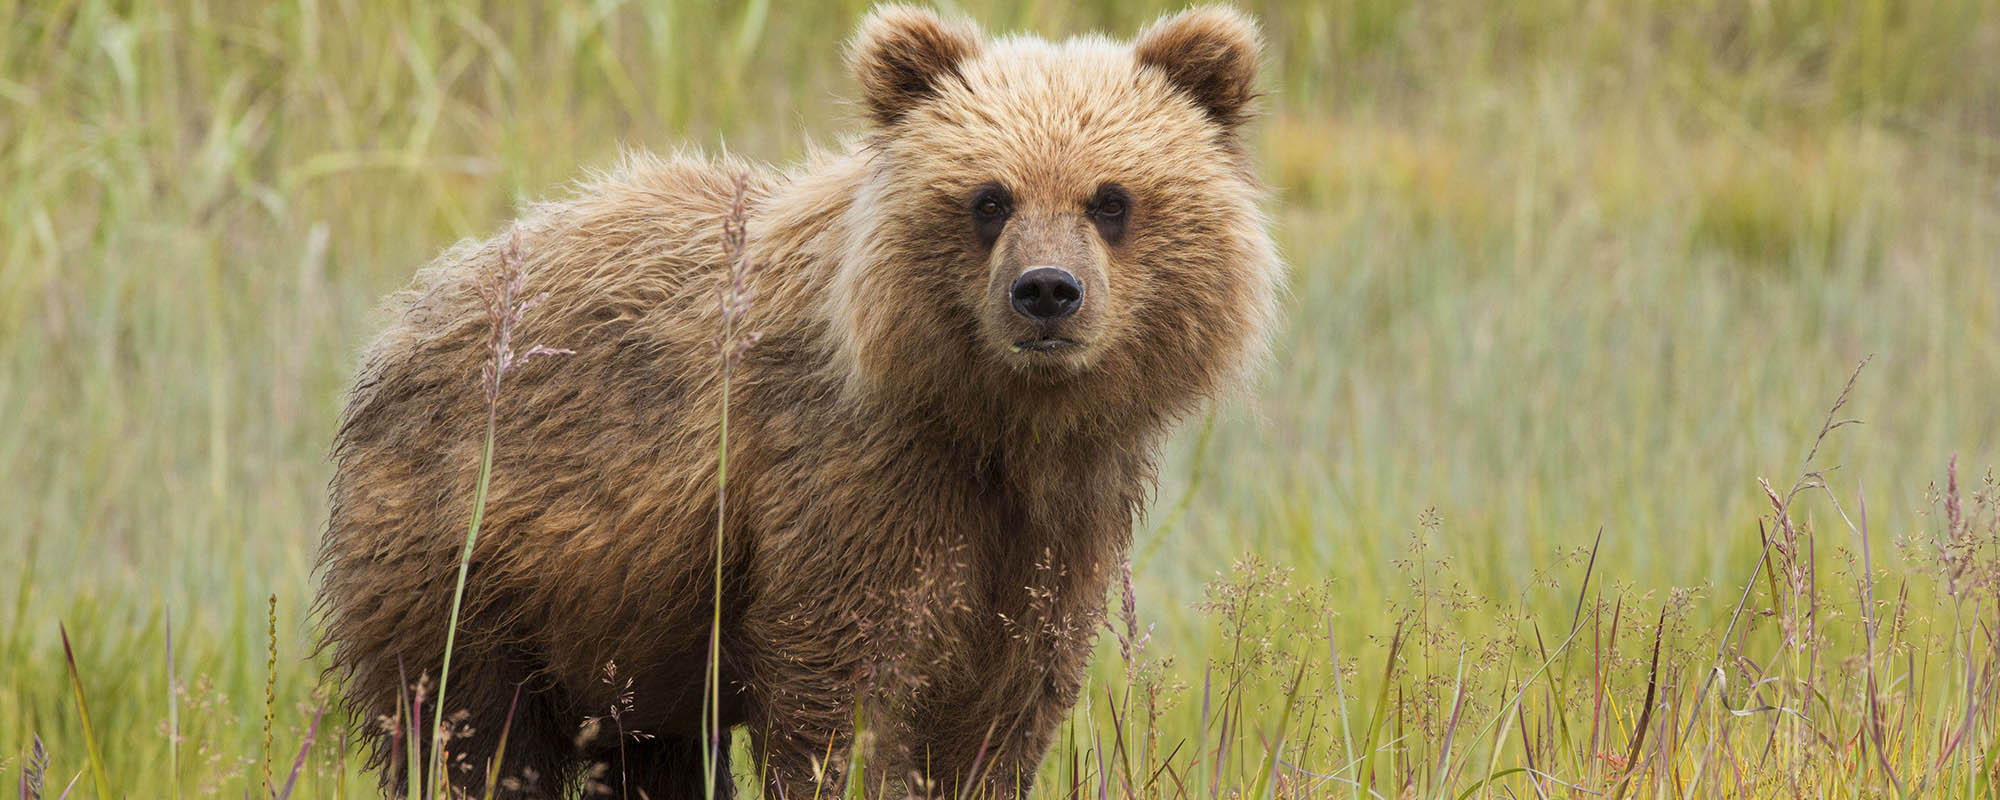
x,y
920,519
1054,122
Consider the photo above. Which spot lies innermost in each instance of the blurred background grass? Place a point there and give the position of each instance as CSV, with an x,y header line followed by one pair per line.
x,y
1557,265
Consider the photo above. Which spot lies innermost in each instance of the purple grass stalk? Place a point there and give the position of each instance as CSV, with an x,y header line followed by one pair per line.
x,y
1103,775
1872,708
312,730
34,769
1527,753
340,762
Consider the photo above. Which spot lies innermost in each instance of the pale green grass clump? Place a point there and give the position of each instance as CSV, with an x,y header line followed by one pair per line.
x,y
1558,267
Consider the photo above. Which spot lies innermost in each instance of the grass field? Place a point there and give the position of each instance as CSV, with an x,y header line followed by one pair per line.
x,y
1568,278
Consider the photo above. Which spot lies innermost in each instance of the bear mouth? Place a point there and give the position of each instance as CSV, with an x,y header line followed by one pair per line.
x,y
1048,344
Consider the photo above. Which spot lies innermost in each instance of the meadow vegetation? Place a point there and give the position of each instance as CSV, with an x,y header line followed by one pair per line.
x,y
1540,495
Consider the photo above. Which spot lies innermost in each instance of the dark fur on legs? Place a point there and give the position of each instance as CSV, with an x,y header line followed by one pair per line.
x,y
664,768
540,757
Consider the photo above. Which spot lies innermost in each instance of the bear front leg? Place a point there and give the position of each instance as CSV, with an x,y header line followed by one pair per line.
x,y
1017,695
800,690
802,744
1016,763
989,738
814,675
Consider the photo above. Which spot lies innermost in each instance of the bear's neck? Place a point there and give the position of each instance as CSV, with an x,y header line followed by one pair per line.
x,y
1044,468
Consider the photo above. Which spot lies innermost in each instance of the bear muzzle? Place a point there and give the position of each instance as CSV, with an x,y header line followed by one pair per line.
x,y
1047,290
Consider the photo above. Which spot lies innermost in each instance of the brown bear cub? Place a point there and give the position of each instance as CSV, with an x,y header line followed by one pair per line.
x,y
977,326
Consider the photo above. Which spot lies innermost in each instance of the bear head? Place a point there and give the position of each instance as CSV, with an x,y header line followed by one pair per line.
x,y
1066,236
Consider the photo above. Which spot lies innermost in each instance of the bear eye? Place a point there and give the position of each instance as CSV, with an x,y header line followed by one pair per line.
x,y
991,206
1109,210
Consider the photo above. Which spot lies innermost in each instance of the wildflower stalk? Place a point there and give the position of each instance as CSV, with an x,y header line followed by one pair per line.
x,y
270,685
730,346
505,308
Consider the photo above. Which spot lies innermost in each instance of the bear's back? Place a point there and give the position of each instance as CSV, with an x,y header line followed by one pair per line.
x,y
604,456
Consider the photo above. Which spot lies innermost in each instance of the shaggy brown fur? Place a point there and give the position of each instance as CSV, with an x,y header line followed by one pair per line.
x,y
925,504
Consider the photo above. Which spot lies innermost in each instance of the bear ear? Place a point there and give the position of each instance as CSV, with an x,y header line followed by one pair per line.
x,y
900,55
1211,53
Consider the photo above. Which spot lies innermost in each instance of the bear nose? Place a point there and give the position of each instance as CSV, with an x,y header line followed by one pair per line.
x,y
1047,294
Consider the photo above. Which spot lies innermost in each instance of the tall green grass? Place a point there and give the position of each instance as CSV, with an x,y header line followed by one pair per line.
x,y
1558,268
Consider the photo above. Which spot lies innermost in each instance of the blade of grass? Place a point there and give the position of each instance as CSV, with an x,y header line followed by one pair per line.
x,y
500,751
1528,755
857,761
1164,767
1499,737
1645,713
1532,678
173,711
1265,776
458,599
1561,710
1379,716
1340,703
1872,708
1607,653
97,774
1201,737
1490,778
68,786
1442,771
409,707
1119,755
